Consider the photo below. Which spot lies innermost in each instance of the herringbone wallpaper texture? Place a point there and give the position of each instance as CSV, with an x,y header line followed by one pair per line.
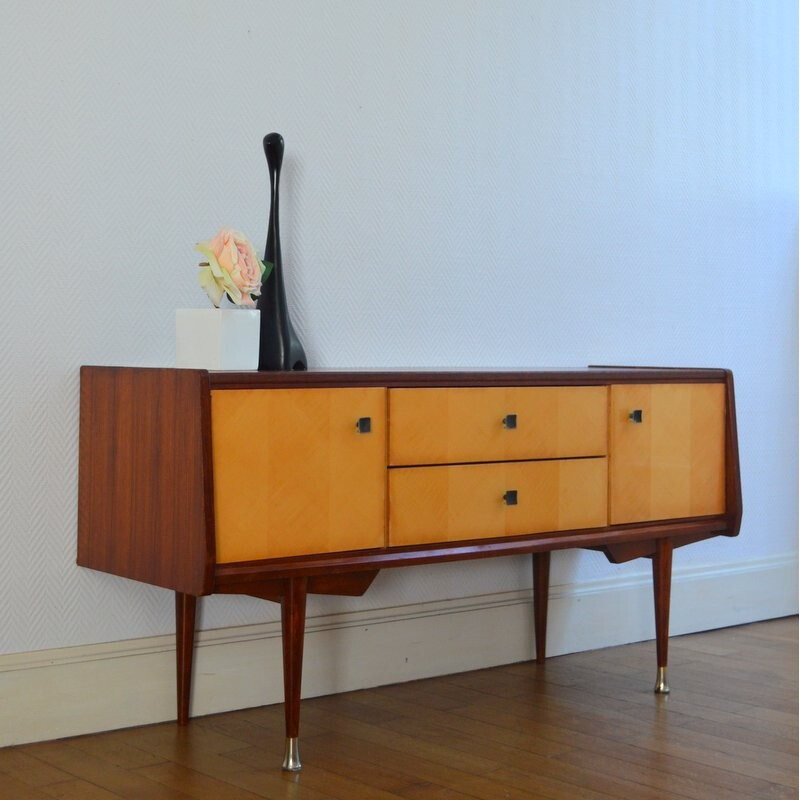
x,y
466,183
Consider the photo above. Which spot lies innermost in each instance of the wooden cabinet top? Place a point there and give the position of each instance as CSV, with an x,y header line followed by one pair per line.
x,y
450,377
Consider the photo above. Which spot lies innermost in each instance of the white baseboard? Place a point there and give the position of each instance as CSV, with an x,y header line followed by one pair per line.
x,y
76,690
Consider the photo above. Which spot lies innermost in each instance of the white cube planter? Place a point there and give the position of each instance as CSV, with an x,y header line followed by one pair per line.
x,y
217,338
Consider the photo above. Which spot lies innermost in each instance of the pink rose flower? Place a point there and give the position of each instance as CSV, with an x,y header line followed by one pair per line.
x,y
232,268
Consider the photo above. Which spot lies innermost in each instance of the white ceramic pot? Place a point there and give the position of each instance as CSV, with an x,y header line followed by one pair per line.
x,y
217,338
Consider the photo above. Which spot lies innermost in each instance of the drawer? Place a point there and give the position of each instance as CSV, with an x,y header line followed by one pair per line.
x,y
292,473
450,503
671,464
462,425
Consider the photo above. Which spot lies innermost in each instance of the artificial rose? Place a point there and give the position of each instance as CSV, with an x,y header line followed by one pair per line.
x,y
232,268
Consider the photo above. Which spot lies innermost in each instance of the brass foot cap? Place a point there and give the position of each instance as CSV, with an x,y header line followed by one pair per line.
x,y
291,761
661,687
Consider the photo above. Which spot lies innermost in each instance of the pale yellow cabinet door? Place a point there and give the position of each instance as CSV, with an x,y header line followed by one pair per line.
x,y
667,451
294,475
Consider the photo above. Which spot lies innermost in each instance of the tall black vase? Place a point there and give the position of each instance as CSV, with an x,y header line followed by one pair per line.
x,y
279,348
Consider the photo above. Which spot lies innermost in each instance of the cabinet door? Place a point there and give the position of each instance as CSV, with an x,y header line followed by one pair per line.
x,y
293,474
671,463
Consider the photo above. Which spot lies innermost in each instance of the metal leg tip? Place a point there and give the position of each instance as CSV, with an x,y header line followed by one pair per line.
x,y
291,761
661,687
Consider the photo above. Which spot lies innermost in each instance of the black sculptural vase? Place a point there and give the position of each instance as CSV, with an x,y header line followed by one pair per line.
x,y
279,348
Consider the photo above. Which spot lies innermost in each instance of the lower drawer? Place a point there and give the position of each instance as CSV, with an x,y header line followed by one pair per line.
x,y
474,501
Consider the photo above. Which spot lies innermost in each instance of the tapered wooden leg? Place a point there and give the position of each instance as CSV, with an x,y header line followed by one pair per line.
x,y
662,581
541,590
185,608
293,623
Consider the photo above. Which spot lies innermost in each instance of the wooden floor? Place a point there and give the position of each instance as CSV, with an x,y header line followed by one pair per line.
x,y
582,726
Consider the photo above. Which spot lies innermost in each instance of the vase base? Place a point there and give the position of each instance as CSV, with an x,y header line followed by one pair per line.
x,y
217,338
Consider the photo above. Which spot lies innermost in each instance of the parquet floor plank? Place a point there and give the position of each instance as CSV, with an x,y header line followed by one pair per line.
x,y
78,790
93,770
22,766
12,787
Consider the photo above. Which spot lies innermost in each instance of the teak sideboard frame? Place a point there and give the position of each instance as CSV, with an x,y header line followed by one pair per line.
x,y
146,504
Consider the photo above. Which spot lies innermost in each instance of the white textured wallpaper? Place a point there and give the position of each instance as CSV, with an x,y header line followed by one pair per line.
x,y
466,184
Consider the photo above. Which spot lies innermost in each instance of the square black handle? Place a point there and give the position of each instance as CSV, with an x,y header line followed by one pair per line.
x,y
510,421
510,497
364,424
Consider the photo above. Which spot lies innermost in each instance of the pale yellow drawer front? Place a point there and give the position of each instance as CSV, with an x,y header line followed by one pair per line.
x,y
450,503
672,463
292,474
457,425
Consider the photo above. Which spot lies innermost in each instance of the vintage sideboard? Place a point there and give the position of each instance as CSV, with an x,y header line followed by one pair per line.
x,y
280,484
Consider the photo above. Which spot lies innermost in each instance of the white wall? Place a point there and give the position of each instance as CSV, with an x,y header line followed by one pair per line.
x,y
519,184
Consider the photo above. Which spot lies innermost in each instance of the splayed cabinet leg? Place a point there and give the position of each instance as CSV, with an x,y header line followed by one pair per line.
x,y
541,590
662,580
293,621
185,611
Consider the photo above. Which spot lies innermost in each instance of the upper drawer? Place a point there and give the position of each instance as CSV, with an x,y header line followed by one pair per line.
x,y
451,426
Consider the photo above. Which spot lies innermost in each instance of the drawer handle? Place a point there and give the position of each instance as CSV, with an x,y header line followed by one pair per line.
x,y
510,497
636,415
510,421
364,425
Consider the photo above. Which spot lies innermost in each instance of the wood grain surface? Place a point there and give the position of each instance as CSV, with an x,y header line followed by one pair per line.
x,y
454,425
672,464
145,500
292,475
451,503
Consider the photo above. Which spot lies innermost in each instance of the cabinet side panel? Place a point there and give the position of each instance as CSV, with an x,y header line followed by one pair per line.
x,y
144,480
733,484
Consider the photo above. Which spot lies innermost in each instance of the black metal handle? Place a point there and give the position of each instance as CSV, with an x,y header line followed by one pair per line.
x,y
510,421
510,497
364,425
636,415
